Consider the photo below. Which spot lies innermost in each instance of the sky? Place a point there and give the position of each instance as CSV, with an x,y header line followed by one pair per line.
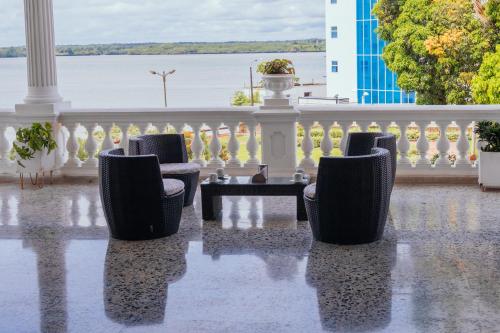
x,y
110,21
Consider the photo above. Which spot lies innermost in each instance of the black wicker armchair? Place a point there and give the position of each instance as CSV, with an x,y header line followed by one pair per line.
x,y
138,204
172,154
350,201
362,144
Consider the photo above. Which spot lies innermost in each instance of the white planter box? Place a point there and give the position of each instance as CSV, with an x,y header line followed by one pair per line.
x,y
41,162
489,169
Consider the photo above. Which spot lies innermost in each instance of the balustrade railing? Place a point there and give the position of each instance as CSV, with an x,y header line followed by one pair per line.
x,y
432,140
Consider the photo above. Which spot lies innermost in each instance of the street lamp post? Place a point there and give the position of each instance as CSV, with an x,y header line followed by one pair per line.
x,y
251,81
163,76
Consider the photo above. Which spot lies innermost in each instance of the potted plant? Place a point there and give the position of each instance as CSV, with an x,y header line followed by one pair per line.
x,y
34,148
278,76
489,156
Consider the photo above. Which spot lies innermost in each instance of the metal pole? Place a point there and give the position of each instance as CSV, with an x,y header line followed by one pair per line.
x,y
251,86
165,89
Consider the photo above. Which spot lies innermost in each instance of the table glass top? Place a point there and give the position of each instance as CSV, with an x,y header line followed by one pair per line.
x,y
246,180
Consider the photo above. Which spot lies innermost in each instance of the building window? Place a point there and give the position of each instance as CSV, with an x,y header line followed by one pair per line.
x,y
334,32
335,66
333,2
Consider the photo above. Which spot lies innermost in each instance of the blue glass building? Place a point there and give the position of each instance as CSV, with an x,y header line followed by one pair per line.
x,y
376,84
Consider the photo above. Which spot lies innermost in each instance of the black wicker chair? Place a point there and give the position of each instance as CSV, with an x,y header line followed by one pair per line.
x,y
138,204
362,144
172,154
350,201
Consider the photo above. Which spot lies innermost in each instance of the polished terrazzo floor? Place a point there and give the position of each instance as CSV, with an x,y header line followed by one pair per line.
x,y
256,270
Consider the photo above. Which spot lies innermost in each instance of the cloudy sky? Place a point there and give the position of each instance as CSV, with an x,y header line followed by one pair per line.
x,y
108,21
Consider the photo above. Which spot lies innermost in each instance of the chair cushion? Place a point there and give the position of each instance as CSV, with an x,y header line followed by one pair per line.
x,y
179,168
173,186
310,191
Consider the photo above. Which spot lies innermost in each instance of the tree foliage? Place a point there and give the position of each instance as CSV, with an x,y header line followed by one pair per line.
x,y
486,85
436,47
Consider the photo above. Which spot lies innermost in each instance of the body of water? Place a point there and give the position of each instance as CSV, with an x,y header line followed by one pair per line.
x,y
125,81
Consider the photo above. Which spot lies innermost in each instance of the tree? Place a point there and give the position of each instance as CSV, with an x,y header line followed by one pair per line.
x,y
486,85
434,46
241,99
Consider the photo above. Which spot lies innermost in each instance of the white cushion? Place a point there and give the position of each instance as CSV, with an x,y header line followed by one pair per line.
x,y
310,191
173,186
179,168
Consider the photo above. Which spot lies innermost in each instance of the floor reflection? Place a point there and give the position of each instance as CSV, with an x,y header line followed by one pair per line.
x,y
353,284
280,243
136,278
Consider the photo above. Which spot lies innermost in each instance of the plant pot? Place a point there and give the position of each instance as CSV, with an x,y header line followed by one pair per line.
x,y
41,162
489,169
278,83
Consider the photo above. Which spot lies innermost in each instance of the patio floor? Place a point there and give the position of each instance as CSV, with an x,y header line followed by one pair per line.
x,y
256,270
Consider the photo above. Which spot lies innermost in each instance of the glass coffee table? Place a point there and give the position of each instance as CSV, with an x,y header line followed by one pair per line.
x,y
212,193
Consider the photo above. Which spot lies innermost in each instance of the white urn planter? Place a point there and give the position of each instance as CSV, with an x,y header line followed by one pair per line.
x,y
278,83
489,170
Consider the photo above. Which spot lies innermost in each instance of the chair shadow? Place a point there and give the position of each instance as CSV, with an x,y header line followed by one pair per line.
x,y
353,284
136,278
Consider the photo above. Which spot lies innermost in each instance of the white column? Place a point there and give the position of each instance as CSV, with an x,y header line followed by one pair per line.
x,y
108,140
233,145
404,144
345,135
252,146
91,147
326,143
72,146
463,145
443,145
307,146
5,147
215,146
423,146
40,52
197,144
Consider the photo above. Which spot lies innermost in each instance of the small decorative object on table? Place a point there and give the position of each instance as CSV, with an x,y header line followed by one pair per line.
x,y
213,178
34,148
262,176
220,173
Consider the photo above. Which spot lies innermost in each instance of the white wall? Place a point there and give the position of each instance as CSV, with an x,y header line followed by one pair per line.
x,y
342,49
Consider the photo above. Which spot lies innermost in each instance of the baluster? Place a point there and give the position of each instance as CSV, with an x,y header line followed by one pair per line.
x,y
197,145
179,127
384,126
345,135
5,148
108,140
443,145
91,147
233,145
463,146
252,146
72,147
215,147
364,125
307,146
124,144
423,145
326,143
404,144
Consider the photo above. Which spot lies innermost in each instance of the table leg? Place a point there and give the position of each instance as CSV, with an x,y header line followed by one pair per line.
x,y
301,208
211,206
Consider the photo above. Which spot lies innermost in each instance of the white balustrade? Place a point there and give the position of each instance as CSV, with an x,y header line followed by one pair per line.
x,y
413,154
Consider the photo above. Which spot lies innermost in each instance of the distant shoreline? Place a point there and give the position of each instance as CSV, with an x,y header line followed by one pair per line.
x,y
254,47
